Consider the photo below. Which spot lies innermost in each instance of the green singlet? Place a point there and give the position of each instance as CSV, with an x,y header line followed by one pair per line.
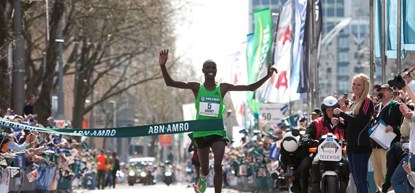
x,y
209,105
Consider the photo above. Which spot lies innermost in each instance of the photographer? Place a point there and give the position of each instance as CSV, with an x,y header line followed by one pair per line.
x,y
388,112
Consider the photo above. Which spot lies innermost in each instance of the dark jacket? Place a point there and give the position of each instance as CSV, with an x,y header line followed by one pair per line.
x,y
391,115
357,135
312,128
393,158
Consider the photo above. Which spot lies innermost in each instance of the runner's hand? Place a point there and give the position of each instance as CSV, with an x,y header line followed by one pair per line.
x,y
164,55
271,70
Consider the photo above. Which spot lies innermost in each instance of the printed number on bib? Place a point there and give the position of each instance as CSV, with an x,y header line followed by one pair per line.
x,y
209,106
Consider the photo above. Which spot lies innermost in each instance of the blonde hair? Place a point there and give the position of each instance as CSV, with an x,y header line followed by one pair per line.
x,y
360,99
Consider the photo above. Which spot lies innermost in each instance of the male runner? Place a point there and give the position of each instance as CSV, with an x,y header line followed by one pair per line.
x,y
209,105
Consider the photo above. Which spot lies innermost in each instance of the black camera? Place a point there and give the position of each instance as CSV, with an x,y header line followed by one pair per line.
x,y
397,82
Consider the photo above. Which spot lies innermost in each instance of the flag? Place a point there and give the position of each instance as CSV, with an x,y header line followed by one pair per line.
x,y
319,26
303,57
409,24
391,29
291,120
277,87
284,109
84,145
377,28
258,49
299,75
239,76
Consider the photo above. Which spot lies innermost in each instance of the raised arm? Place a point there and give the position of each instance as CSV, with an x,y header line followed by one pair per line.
x,y
251,87
164,55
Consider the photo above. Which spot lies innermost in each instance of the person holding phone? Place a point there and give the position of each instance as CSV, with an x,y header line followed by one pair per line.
x,y
398,179
357,118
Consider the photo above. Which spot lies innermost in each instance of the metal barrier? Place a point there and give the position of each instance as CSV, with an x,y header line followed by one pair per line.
x,y
253,180
40,178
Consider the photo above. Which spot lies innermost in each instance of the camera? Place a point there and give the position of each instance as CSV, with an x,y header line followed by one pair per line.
x,y
397,82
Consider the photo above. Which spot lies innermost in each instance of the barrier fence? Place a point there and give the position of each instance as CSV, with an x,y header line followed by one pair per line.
x,y
44,176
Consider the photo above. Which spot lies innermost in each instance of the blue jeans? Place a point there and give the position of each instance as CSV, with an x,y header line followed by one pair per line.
x,y
358,168
399,181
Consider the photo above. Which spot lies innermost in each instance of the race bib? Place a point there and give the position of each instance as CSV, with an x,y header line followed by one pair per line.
x,y
209,106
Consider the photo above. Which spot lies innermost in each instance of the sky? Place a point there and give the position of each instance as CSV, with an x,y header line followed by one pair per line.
x,y
214,29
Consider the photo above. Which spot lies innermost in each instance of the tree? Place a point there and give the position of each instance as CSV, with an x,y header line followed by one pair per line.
x,y
5,41
108,45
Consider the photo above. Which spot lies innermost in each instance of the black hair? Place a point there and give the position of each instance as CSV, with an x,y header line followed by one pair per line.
x,y
209,62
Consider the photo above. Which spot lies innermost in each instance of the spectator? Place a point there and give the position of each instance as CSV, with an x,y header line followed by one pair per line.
x,y
28,108
102,169
357,121
115,168
407,76
411,175
398,179
316,114
388,113
7,143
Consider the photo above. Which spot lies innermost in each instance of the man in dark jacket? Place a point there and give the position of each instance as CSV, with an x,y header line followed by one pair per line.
x,y
389,113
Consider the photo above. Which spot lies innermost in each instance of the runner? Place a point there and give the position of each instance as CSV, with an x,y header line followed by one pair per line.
x,y
209,105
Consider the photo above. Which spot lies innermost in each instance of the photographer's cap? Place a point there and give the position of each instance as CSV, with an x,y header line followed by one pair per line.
x,y
385,86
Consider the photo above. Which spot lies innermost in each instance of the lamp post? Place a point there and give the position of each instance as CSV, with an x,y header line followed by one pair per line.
x,y
114,123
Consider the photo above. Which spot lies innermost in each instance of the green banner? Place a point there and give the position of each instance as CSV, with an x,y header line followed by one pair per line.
x,y
134,131
258,47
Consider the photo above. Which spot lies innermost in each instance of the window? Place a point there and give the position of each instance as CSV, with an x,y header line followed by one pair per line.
x,y
343,57
274,2
265,2
343,70
330,12
343,86
255,2
340,12
343,42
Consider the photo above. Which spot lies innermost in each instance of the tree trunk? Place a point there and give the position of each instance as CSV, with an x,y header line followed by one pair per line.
x,y
4,74
43,104
81,92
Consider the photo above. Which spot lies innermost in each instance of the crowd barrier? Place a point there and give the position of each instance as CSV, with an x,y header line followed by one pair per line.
x,y
42,177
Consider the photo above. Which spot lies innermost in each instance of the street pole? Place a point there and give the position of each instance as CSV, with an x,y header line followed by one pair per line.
x,y
47,37
145,102
398,46
372,47
310,53
92,119
114,123
314,51
174,148
61,95
18,94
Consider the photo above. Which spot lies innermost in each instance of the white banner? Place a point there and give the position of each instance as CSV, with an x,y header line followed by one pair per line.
x,y
277,87
239,76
